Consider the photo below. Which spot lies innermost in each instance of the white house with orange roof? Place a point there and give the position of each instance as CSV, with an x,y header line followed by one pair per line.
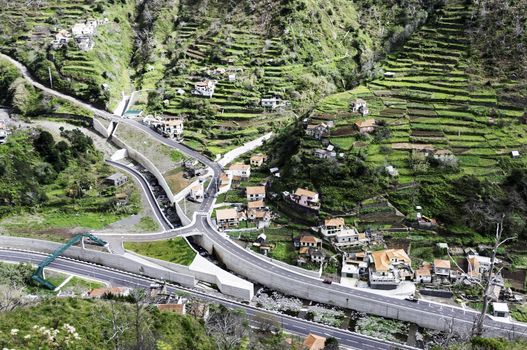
x,y
306,198
332,226
255,193
387,268
227,218
240,170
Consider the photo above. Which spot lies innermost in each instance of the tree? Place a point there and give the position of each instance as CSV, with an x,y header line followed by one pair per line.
x,y
227,327
331,344
478,328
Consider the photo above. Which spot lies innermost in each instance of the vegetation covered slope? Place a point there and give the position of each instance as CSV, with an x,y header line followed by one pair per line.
x,y
297,50
435,98
100,75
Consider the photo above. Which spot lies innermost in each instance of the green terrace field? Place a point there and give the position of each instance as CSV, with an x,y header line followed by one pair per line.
x,y
433,98
30,30
175,250
234,114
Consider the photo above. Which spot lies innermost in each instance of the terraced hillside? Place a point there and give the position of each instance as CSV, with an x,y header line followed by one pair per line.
x,y
254,53
98,75
437,118
432,99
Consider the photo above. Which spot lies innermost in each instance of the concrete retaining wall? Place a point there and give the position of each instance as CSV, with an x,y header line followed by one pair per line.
x,y
204,270
101,129
181,276
141,159
320,293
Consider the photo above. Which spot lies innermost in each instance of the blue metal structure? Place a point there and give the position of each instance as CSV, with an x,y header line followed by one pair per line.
x,y
38,276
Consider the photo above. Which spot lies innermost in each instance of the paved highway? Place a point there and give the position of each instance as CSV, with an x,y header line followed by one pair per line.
x,y
267,269
122,278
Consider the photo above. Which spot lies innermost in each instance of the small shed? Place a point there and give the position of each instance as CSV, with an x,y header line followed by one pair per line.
x,y
500,310
515,154
116,179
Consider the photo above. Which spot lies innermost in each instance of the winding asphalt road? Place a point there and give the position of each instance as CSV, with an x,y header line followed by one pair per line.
x,y
121,278
298,282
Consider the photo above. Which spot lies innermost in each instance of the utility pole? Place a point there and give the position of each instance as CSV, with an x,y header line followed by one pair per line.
x,y
50,78
478,327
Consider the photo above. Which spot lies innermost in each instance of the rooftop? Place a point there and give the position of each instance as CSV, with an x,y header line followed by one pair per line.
x,y
442,264
256,204
334,222
314,342
255,190
365,123
303,192
383,258
239,166
226,214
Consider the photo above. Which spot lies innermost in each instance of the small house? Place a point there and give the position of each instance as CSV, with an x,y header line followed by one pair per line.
x,y
388,268
256,205
232,77
424,274
226,218
121,199
262,217
240,170
196,193
359,106
116,180
515,154
500,310
316,255
442,268
179,308
306,198
255,193
317,131
204,88
365,126
313,342
332,226
273,103
257,160
309,241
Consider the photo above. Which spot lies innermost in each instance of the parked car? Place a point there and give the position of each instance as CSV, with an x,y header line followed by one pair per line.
x,y
411,298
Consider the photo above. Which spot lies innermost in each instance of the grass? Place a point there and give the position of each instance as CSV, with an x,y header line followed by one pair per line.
x,y
284,251
147,224
174,250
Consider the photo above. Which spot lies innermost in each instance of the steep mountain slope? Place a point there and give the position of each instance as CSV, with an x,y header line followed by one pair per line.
x,y
98,75
297,50
438,116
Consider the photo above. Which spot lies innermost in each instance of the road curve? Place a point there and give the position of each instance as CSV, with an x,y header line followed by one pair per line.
x,y
122,278
267,268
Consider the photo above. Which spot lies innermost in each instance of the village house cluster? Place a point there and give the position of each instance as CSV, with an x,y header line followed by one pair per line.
x,y
256,210
168,126
82,32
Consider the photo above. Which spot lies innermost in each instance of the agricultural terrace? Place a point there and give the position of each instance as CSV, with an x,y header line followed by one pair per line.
x,y
87,74
247,68
433,98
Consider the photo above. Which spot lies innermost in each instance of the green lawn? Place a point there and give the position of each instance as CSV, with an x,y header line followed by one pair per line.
x,y
175,250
